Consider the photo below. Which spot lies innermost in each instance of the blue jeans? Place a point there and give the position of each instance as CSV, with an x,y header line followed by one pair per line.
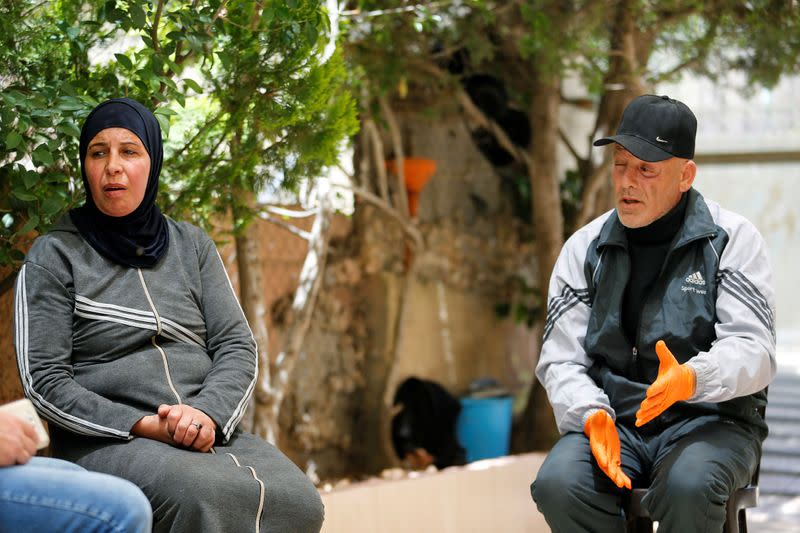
x,y
54,495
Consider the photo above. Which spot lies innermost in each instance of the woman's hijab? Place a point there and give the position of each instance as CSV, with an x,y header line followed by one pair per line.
x,y
140,238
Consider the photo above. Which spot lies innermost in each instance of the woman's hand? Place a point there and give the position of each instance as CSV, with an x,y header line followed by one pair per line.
x,y
17,440
188,426
152,427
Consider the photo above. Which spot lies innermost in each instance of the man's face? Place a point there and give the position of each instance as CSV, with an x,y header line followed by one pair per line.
x,y
646,191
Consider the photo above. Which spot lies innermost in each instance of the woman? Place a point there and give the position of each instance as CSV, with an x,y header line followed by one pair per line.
x,y
131,342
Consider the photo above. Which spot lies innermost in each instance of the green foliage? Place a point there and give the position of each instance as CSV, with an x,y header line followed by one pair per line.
x,y
241,80
418,51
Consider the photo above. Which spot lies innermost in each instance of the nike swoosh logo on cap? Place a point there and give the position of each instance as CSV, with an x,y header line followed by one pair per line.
x,y
659,139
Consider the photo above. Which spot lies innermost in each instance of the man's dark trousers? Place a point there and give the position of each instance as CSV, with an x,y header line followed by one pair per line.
x,y
692,467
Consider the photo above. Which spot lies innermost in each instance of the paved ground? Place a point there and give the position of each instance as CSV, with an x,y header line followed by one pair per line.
x,y
779,484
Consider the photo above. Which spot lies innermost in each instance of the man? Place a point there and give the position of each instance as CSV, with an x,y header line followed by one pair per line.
x,y
43,494
659,343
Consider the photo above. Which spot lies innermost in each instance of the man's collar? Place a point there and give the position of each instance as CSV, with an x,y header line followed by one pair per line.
x,y
698,223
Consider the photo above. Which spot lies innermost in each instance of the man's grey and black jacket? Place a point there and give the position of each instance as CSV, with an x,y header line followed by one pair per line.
x,y
712,304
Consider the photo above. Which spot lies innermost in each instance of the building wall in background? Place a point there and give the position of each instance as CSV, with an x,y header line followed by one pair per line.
x,y
766,192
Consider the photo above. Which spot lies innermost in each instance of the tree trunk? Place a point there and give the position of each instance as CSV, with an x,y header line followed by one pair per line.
x,y
630,50
536,429
303,303
251,295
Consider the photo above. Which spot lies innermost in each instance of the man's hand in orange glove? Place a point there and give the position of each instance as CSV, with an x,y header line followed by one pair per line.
x,y
604,441
674,383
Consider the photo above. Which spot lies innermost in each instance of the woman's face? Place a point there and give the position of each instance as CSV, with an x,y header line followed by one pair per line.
x,y
117,167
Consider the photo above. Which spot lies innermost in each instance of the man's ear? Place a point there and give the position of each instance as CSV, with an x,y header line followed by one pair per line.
x,y
688,173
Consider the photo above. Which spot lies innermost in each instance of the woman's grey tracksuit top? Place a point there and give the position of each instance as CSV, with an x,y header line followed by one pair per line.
x,y
100,345
712,304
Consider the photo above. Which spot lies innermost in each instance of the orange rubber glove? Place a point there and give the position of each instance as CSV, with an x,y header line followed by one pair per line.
x,y
604,441
674,383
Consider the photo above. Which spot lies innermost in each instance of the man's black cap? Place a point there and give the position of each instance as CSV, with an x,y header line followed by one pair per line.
x,y
655,128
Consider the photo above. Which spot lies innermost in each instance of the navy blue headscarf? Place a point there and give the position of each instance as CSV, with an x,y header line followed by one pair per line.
x,y
140,238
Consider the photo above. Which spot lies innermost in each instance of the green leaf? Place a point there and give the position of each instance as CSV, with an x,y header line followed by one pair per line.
x,y
193,85
164,121
13,98
29,225
42,155
165,111
156,64
52,205
22,195
137,15
311,34
124,60
69,103
68,128
173,66
195,43
166,80
30,179
13,139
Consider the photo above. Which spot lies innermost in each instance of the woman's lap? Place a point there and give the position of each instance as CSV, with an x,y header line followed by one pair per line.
x,y
245,482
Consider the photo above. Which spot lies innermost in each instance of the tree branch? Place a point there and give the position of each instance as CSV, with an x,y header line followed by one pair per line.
x,y
33,8
399,156
376,151
357,13
590,189
478,116
703,46
218,13
303,305
201,130
156,22
258,9
294,230
408,227
667,16
570,147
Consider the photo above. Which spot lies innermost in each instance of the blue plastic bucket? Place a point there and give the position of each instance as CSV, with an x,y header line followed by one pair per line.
x,y
484,426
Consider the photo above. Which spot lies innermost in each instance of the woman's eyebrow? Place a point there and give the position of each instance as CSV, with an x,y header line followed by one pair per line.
x,y
104,143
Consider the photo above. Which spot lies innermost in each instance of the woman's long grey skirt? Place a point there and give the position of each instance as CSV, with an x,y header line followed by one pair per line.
x,y
246,485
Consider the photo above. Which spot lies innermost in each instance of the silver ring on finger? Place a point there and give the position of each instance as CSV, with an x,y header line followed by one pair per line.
x,y
198,425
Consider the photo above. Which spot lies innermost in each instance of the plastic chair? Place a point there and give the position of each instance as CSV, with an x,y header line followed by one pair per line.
x,y
639,520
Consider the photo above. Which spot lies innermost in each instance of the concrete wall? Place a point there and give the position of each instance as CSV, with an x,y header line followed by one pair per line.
x,y
490,495
454,336
767,193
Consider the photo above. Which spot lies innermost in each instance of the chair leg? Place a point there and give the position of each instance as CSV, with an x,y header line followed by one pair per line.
x,y
638,524
735,509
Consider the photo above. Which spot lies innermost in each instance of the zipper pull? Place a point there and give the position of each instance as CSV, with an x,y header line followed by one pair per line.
x,y
635,353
